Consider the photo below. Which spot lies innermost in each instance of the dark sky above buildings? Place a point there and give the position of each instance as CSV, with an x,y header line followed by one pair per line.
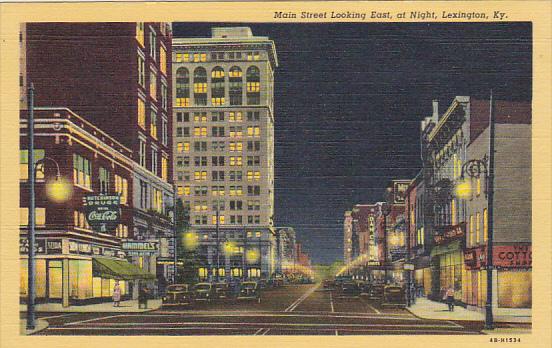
x,y
348,103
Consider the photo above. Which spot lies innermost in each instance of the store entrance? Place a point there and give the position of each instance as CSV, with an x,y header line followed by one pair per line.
x,y
54,278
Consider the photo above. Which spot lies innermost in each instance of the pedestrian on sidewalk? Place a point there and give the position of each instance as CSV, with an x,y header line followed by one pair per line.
x,y
142,296
116,294
449,297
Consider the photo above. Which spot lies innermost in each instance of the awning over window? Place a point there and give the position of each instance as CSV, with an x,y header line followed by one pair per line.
x,y
118,269
447,248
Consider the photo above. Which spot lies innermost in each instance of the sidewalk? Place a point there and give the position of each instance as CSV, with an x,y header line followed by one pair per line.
x,y
428,309
125,307
39,326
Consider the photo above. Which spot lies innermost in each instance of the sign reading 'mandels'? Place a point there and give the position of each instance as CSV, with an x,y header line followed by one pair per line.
x,y
103,212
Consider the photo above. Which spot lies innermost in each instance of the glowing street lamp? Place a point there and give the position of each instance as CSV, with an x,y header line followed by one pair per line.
x,y
57,190
463,189
190,240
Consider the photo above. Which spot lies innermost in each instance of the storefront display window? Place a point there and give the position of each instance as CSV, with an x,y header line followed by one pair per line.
x,y
80,279
514,289
451,269
55,279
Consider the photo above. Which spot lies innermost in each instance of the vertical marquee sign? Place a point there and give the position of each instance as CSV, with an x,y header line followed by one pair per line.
x,y
102,211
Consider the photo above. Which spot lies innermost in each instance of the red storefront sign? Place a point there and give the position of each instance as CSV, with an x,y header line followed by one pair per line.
x,y
512,256
450,233
504,256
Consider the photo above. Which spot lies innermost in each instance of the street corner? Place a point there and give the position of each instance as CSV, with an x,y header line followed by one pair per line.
x,y
40,325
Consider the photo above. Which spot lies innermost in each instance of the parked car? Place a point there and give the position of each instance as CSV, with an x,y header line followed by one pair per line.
x,y
178,295
376,291
365,288
394,294
328,284
222,291
204,292
350,288
250,291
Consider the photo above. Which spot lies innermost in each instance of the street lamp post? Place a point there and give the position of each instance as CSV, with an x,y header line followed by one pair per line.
x,y
218,243
31,170
385,210
474,169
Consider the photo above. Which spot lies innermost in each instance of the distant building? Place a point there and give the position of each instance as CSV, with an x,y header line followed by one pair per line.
x,y
348,254
287,248
224,147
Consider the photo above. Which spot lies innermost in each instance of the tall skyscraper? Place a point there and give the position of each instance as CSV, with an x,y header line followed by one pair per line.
x,y
224,148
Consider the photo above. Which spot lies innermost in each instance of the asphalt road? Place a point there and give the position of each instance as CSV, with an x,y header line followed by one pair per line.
x,y
290,310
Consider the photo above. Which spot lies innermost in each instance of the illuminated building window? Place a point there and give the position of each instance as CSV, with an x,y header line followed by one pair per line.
x,y
485,225
141,113
82,171
153,124
182,87
164,168
200,116
23,164
157,200
200,86
478,187
258,234
153,85
477,227
163,60
140,33
200,131
121,187
187,191
183,146
253,76
40,216
471,232
121,231
235,161
235,84
235,116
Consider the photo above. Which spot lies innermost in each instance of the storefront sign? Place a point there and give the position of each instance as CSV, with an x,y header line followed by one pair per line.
x,y
39,247
102,212
54,246
139,246
504,256
399,191
85,249
408,266
450,233
512,256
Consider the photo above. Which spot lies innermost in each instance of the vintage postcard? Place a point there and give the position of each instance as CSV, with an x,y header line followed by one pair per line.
x,y
194,173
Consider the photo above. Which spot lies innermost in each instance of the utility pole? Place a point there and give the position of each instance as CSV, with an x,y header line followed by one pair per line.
x,y
31,222
490,228
218,243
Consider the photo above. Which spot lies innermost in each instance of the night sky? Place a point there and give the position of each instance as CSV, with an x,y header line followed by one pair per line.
x,y
349,99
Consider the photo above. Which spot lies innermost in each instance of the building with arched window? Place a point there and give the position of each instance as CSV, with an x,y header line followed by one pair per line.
x,y
224,149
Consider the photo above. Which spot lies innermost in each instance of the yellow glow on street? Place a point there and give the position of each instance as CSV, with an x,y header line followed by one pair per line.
x,y
464,190
59,190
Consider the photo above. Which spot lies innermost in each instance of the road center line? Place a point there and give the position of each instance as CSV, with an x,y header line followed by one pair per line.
x,y
301,299
258,331
332,307
95,319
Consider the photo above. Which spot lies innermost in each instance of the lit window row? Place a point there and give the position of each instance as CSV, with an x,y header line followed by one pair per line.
x,y
474,234
200,131
235,161
183,146
253,131
253,175
80,220
236,146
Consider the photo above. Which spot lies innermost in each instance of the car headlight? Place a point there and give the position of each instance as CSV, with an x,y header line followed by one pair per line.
x,y
164,298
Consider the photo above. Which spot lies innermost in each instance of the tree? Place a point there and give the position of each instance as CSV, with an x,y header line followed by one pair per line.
x,y
188,264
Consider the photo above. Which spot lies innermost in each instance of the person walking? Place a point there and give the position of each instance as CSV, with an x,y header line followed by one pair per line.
x,y
449,297
142,296
116,294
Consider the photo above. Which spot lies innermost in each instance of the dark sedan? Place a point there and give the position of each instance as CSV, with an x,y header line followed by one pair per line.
x,y
178,295
204,292
350,288
250,291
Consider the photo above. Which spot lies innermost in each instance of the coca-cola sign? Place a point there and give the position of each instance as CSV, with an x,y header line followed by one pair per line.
x,y
102,212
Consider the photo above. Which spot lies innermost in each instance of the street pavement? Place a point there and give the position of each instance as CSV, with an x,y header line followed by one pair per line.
x,y
289,310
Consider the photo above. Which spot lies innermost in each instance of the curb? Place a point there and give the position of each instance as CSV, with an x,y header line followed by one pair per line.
x,y
38,330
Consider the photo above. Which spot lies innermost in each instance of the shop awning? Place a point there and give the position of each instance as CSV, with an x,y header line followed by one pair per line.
x,y
118,269
447,248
